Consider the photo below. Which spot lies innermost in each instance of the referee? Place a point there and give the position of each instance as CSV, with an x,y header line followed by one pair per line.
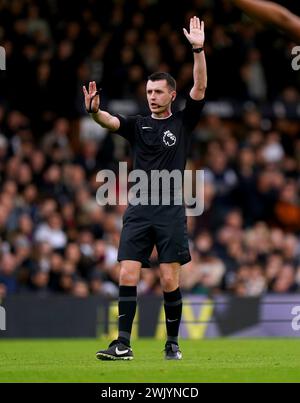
x,y
159,142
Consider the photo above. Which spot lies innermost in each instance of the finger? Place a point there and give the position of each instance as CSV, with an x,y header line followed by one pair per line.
x,y
85,91
90,87
96,100
94,93
94,86
186,33
191,23
198,23
202,26
195,21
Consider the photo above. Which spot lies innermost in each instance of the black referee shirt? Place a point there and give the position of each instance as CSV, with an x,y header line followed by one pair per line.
x,y
161,144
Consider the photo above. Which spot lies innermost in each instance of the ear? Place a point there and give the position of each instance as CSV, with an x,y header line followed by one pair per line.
x,y
173,96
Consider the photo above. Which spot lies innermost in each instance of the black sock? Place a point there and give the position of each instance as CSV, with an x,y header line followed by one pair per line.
x,y
173,310
127,308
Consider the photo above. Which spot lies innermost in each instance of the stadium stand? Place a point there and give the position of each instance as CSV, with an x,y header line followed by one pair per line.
x,y
54,237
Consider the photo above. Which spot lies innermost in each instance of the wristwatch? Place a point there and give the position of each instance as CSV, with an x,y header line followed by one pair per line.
x,y
197,50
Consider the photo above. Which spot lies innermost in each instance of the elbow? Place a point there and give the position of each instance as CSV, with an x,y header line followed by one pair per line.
x,y
198,93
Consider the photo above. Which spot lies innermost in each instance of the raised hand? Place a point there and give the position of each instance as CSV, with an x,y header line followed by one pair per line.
x,y
196,34
91,98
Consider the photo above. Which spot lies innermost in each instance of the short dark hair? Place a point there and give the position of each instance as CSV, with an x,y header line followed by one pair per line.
x,y
163,76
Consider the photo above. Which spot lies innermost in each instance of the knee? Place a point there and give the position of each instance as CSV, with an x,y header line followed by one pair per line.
x,y
129,276
169,283
169,276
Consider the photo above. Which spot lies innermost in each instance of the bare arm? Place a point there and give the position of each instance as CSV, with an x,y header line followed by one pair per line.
x,y
272,13
92,103
200,76
196,39
106,120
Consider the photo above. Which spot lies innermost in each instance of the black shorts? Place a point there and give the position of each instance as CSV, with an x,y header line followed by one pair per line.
x,y
162,226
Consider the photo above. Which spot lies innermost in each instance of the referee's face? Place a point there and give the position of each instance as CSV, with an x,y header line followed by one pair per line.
x,y
159,96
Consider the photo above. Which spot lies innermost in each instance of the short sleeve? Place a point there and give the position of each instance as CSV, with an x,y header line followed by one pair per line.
x,y
192,112
127,127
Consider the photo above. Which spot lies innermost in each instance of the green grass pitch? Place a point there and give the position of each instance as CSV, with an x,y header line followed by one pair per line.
x,y
220,360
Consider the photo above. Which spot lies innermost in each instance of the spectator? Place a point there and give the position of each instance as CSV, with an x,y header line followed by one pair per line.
x,y
206,274
80,289
8,271
54,237
52,232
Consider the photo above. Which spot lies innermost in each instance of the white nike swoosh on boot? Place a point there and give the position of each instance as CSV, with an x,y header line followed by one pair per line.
x,y
118,352
171,320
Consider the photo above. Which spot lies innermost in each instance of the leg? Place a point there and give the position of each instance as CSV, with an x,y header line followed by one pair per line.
x,y
169,273
120,349
129,277
173,251
169,276
135,248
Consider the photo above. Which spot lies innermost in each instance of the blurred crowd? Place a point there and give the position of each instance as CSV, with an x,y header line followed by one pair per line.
x,y
54,237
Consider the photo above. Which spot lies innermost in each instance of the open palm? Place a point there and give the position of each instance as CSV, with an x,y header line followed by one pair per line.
x,y
196,34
